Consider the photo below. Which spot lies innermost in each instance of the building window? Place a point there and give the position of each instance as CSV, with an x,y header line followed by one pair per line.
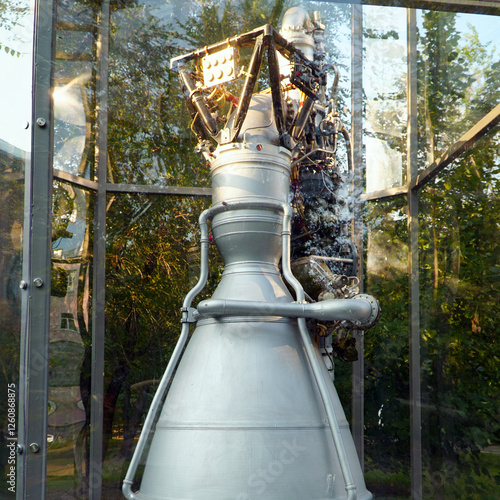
x,y
67,322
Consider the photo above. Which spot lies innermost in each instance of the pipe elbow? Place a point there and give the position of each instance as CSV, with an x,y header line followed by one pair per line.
x,y
127,490
373,312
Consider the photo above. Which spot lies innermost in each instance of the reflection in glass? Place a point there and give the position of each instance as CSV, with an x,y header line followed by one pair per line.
x,y
13,162
16,32
458,71
69,343
151,247
71,129
384,77
460,293
149,136
386,399
73,91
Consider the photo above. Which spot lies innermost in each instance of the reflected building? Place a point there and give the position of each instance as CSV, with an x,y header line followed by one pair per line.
x,y
67,317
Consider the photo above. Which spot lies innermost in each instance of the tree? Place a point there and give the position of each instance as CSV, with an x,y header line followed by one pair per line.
x,y
458,246
12,14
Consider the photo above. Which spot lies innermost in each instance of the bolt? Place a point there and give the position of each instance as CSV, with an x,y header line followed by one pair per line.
x,y
23,285
19,449
38,282
41,122
34,447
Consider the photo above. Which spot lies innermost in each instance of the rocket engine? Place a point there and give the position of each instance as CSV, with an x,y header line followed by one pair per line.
x,y
251,412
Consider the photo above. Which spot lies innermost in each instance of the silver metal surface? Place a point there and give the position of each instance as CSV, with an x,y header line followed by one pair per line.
x,y
38,282
363,310
251,412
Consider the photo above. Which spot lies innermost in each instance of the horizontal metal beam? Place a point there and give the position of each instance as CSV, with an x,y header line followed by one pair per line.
x,y
74,179
132,188
384,193
166,190
463,144
490,7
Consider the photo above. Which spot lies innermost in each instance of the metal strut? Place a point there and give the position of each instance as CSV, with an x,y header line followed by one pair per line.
x,y
306,340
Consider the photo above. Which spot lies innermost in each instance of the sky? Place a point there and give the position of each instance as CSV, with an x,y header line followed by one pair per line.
x,y
15,83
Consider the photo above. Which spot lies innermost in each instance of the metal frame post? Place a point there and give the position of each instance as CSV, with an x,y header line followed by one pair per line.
x,y
358,367
99,263
413,264
34,357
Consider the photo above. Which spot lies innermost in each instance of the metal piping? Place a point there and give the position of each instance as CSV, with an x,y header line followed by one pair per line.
x,y
328,310
362,307
179,348
302,117
172,364
306,340
250,186
198,102
345,135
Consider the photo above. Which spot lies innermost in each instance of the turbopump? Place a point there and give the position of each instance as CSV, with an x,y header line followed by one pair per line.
x,y
251,412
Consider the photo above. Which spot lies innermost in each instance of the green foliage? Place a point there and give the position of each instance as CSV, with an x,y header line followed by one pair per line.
x,y
459,232
460,293
10,51
386,345
459,281
12,12
12,15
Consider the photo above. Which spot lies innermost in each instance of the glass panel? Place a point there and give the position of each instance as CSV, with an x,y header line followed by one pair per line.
x,y
384,85
150,137
458,63
460,293
70,341
74,87
387,415
153,261
150,141
16,28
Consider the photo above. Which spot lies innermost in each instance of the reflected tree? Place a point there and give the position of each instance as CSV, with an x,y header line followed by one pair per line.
x,y
459,252
12,15
459,275
152,240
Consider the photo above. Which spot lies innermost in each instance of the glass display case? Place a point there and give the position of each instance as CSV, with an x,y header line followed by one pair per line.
x,y
102,187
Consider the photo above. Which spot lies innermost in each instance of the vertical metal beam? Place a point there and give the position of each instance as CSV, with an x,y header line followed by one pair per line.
x,y
99,263
413,264
34,365
358,366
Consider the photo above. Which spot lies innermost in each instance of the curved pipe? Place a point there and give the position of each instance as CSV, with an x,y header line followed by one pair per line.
x,y
313,360
174,359
306,340
348,145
